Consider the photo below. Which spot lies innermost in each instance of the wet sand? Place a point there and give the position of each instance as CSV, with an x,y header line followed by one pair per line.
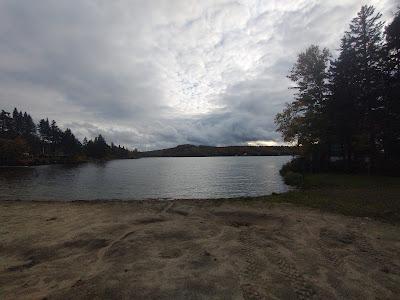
x,y
193,250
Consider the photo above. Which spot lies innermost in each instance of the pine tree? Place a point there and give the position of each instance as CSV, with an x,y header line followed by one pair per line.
x,y
30,126
44,130
392,90
20,123
17,120
97,148
366,39
343,112
55,133
6,123
69,143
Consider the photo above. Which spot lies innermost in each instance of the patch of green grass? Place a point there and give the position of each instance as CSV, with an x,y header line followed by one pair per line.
x,y
350,181
354,195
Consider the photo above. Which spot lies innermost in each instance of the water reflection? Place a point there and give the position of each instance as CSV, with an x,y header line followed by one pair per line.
x,y
11,174
203,177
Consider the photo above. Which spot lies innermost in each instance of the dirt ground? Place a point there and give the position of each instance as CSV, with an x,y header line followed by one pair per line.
x,y
193,250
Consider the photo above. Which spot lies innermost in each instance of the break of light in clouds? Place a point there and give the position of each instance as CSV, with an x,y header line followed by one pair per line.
x,y
153,74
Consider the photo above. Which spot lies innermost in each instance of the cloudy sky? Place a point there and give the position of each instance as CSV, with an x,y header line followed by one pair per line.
x,y
154,74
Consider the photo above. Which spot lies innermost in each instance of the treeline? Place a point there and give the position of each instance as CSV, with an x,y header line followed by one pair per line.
x,y
202,151
346,111
24,142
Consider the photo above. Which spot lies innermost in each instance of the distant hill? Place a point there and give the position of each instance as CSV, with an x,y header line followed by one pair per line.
x,y
202,151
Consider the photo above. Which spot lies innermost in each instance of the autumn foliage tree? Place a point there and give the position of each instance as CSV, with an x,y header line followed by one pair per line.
x,y
303,120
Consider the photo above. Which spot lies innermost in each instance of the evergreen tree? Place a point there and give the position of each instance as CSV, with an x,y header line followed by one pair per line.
x,y
366,39
97,148
6,123
20,123
55,133
16,122
69,143
30,126
392,90
44,130
343,112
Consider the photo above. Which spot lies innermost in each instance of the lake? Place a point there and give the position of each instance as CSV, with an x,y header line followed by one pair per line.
x,y
166,177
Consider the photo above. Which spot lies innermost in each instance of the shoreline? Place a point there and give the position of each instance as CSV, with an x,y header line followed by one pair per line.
x,y
337,237
162,200
374,197
124,158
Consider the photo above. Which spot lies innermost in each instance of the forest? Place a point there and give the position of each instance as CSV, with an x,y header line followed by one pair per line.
x,y
345,114
22,142
206,151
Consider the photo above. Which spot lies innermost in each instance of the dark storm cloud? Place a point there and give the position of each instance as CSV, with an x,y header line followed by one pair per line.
x,y
153,74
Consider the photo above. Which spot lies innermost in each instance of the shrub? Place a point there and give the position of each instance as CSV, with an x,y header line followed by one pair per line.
x,y
12,150
297,165
293,179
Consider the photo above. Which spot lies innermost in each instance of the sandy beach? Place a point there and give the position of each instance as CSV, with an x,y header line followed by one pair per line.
x,y
187,249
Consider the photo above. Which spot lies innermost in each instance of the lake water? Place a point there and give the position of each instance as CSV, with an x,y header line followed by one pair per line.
x,y
166,177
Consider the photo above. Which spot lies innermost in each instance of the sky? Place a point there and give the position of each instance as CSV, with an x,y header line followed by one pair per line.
x,y
158,73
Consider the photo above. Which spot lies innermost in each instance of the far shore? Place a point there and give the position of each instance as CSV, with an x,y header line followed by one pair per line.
x,y
178,151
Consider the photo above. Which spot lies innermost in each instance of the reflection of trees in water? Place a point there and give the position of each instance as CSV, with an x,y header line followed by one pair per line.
x,y
71,166
146,178
17,173
101,163
59,172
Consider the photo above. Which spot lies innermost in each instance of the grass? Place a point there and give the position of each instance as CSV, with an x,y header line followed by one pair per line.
x,y
375,197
